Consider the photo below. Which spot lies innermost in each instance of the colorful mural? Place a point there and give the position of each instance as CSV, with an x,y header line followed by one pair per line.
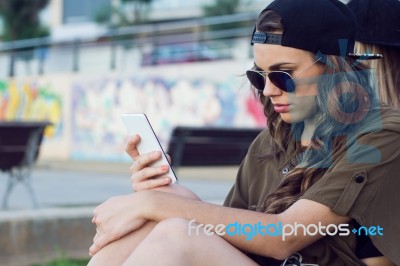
x,y
97,104
29,101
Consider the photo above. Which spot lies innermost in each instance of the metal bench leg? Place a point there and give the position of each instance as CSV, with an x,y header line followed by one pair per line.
x,y
26,179
11,181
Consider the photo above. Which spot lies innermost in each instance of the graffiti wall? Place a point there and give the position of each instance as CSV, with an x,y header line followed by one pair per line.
x,y
30,100
97,105
86,109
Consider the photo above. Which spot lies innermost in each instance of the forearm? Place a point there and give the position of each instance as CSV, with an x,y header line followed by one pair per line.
x,y
164,206
177,189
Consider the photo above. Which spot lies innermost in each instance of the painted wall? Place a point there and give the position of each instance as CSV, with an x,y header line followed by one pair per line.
x,y
40,98
86,109
31,100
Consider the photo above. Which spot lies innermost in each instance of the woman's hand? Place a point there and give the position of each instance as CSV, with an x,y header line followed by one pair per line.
x,y
117,217
144,176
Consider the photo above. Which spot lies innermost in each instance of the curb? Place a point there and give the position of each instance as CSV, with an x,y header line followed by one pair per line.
x,y
34,237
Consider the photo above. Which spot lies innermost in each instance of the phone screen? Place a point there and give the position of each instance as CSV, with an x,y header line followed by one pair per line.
x,y
139,124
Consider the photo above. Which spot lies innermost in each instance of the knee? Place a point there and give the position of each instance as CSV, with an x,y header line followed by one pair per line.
x,y
173,228
174,231
168,239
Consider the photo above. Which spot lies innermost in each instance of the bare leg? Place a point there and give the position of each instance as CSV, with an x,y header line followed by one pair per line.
x,y
378,261
169,244
118,251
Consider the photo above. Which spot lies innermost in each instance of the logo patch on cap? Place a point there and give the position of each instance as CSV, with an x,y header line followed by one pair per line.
x,y
261,37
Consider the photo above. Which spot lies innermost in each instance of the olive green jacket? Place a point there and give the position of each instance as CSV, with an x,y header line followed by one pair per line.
x,y
363,182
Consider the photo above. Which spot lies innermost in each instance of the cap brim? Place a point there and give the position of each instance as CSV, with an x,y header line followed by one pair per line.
x,y
365,56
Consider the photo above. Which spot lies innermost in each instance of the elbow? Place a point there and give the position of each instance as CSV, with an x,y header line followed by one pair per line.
x,y
279,247
280,251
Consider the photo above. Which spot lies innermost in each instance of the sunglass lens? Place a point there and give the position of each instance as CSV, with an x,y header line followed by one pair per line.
x,y
282,80
256,79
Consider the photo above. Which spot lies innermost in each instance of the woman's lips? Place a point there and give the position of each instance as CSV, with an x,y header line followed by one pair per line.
x,y
281,108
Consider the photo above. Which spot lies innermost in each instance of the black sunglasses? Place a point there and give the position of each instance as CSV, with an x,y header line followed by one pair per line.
x,y
281,79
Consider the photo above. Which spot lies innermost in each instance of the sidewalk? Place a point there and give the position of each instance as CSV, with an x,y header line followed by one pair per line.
x,y
67,193
72,184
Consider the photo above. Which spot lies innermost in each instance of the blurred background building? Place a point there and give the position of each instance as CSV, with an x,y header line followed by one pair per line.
x,y
82,63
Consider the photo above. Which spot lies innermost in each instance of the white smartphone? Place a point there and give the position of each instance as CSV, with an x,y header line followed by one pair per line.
x,y
139,124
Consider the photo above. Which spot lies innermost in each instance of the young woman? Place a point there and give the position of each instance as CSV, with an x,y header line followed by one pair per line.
x,y
379,32
326,165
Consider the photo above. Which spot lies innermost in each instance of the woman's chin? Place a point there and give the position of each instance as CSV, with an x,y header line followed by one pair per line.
x,y
286,117
291,118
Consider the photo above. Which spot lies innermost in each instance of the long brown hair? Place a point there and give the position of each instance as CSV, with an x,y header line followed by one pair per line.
x,y
387,71
344,97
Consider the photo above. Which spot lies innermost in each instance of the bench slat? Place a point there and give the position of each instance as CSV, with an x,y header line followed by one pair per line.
x,y
192,146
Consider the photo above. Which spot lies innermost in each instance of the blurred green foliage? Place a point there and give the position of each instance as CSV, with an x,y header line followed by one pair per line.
x,y
139,8
129,12
21,19
66,262
63,260
220,8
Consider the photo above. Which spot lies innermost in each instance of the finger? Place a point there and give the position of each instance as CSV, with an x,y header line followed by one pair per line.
x,y
95,237
95,213
144,160
152,183
149,172
131,145
100,242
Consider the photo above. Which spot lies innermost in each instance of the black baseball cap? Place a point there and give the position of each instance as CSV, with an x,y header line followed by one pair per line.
x,y
326,27
378,21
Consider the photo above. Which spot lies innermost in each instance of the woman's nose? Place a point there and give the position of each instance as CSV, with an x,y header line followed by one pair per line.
x,y
270,89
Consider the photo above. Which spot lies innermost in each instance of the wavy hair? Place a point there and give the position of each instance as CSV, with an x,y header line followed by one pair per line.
x,y
387,71
344,98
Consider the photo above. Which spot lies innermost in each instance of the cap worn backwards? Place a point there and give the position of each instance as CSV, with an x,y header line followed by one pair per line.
x,y
318,26
378,21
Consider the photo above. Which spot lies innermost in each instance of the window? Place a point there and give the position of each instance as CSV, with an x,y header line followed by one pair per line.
x,y
82,10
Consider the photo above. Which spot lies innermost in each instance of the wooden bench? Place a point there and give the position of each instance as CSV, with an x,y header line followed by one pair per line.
x,y
210,146
19,149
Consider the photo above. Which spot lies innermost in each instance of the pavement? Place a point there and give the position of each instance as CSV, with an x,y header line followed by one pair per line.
x,y
67,192
76,184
